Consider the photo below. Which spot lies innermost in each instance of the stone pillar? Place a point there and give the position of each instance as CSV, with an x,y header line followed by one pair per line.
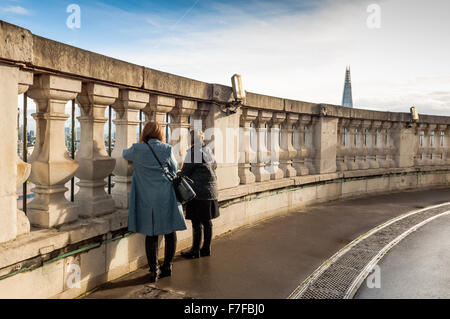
x,y
51,165
127,108
372,145
302,152
179,127
341,143
362,150
8,152
95,163
404,144
352,149
325,137
274,146
258,168
23,169
157,108
288,152
246,153
222,137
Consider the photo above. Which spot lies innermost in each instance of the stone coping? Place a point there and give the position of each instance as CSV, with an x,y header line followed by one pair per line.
x,y
44,242
43,55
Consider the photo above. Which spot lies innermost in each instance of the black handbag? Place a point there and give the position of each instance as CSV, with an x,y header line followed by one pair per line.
x,y
183,189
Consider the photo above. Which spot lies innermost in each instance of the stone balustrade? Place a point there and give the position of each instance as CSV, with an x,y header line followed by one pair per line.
x,y
267,145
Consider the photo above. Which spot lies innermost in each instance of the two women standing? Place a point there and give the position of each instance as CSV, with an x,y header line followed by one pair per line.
x,y
153,207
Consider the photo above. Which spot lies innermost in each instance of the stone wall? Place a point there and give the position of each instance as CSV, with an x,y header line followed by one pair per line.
x,y
275,155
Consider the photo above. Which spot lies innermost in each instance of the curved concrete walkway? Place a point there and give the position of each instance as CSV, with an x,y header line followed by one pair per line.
x,y
417,267
271,258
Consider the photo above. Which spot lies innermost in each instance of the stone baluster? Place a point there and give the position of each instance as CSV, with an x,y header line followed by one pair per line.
x,y
157,108
258,168
352,147
440,147
51,165
288,152
274,146
246,153
372,144
430,141
127,107
361,140
302,152
310,159
340,147
419,155
391,147
447,145
179,127
425,145
23,169
202,114
95,163
384,150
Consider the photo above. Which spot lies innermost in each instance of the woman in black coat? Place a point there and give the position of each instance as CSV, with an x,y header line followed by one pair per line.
x,y
200,165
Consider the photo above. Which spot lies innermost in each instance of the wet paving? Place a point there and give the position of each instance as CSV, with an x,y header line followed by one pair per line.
x,y
417,267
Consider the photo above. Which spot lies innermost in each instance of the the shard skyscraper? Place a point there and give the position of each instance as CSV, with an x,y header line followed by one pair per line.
x,y
347,95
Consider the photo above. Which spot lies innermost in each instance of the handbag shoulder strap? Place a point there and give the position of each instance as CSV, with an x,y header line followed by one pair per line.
x,y
159,162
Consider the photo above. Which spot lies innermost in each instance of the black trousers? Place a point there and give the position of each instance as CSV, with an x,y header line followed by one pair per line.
x,y
151,249
197,225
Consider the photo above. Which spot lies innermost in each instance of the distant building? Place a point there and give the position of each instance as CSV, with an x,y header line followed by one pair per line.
x,y
347,99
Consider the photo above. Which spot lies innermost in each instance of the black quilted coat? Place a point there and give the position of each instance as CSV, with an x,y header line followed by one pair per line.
x,y
200,165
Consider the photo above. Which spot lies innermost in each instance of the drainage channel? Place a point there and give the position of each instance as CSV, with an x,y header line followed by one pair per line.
x,y
341,275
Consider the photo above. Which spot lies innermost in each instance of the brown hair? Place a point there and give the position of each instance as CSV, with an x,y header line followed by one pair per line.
x,y
152,130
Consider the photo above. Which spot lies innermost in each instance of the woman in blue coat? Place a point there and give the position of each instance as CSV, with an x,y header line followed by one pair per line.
x,y
154,209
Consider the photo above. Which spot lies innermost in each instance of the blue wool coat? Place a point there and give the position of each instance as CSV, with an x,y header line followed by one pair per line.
x,y
153,206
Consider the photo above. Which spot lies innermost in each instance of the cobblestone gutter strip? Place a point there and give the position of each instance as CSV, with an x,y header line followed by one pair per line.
x,y
341,275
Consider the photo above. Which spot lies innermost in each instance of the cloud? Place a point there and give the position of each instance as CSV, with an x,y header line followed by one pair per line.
x,y
16,10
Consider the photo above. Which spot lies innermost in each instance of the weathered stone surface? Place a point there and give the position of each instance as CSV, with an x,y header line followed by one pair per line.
x,y
65,58
8,151
264,101
300,107
169,83
15,43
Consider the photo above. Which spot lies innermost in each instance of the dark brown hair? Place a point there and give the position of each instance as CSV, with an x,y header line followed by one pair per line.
x,y
152,130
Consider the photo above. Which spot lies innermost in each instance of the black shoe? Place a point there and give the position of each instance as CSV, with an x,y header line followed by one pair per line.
x,y
166,271
153,276
205,252
190,254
